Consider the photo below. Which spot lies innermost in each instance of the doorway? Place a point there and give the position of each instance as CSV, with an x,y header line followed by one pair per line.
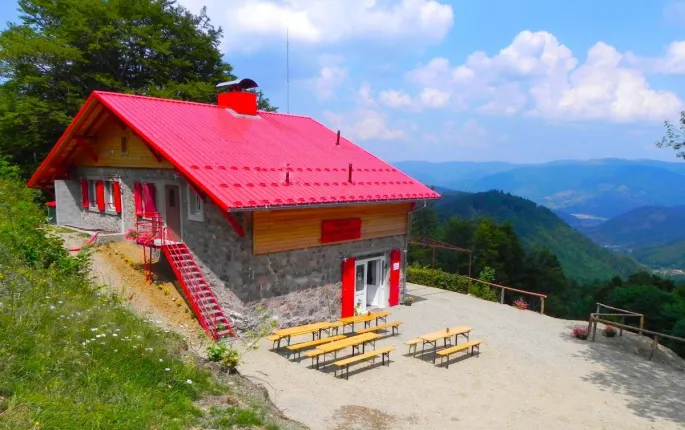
x,y
369,284
173,209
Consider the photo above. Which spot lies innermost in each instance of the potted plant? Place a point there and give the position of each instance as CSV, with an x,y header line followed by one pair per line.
x,y
610,330
408,300
580,332
520,304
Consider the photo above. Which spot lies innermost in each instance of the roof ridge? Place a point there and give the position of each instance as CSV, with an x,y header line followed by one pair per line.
x,y
161,99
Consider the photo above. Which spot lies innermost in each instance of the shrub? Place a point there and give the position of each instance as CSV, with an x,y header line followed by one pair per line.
x,y
437,278
482,291
580,332
609,330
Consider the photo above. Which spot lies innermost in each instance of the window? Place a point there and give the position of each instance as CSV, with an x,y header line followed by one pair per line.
x,y
124,145
195,206
109,196
92,195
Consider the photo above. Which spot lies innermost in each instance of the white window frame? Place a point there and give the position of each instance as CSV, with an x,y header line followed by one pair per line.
x,y
196,207
109,196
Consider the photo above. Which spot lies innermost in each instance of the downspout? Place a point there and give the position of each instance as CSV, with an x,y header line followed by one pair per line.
x,y
406,254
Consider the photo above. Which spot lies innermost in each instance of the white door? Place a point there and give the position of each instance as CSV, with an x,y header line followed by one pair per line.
x,y
360,286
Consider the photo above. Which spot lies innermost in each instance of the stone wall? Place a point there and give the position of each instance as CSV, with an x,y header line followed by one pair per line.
x,y
297,286
68,195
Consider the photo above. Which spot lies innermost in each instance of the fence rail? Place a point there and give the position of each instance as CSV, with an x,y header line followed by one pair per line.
x,y
594,319
505,288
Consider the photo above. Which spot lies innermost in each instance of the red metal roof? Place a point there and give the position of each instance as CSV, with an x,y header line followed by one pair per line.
x,y
241,162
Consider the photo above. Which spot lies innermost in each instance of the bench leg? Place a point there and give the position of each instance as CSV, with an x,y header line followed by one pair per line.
x,y
347,372
447,365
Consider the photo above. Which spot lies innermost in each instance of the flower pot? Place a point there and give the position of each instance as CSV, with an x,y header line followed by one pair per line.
x,y
609,333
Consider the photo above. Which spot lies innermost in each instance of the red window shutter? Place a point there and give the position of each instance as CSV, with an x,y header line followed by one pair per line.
x,y
395,262
100,195
348,278
138,198
84,193
116,191
149,193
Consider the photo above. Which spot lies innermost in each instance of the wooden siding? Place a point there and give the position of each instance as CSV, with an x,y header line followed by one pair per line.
x,y
285,230
107,146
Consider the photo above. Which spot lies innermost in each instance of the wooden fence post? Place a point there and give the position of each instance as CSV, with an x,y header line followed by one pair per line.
x,y
655,346
594,331
501,296
542,305
642,324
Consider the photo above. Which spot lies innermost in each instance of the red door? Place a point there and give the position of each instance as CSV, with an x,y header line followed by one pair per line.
x,y
395,262
348,278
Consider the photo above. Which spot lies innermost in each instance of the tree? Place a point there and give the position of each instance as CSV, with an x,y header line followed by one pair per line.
x,y
60,51
674,137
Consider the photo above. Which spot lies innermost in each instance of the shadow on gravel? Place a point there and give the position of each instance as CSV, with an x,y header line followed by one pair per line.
x,y
656,389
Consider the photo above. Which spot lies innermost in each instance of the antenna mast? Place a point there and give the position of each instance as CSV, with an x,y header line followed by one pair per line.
x,y
287,68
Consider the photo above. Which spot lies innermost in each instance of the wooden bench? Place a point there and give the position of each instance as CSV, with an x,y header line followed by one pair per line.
x,y
275,339
474,344
412,343
345,363
393,325
298,347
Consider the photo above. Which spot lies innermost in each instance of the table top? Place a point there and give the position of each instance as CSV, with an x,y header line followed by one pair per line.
x,y
441,334
350,341
303,329
364,317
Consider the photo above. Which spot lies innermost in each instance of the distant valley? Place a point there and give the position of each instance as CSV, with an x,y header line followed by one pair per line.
x,y
634,207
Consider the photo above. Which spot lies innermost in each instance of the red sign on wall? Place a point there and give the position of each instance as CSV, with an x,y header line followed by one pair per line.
x,y
339,230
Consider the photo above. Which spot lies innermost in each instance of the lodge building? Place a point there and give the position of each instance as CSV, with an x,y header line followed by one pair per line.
x,y
276,209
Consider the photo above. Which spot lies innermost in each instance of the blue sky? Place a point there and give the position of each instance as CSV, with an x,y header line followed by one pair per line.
x,y
439,80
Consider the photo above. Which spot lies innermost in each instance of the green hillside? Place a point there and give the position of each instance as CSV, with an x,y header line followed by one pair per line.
x,y
538,227
662,256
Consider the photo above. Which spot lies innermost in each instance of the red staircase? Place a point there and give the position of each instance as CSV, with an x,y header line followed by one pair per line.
x,y
195,287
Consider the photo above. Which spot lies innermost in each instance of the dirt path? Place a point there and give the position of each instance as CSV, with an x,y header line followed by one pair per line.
x,y
118,268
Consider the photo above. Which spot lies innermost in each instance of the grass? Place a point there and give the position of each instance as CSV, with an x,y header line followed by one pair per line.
x,y
76,358
72,357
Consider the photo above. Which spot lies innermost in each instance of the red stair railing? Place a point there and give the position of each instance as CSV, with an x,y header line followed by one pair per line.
x,y
152,233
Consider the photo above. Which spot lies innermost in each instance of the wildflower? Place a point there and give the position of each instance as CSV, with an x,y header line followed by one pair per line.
x,y
52,308
189,382
160,360
94,329
115,335
167,369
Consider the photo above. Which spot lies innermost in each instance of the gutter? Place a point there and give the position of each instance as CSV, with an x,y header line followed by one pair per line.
x,y
403,295
329,204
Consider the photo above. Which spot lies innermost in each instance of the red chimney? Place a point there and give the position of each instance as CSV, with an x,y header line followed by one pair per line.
x,y
237,99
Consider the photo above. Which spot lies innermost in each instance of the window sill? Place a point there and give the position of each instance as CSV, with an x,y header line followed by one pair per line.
x,y
196,218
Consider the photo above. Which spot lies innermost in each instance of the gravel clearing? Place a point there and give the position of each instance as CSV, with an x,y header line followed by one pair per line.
x,y
530,374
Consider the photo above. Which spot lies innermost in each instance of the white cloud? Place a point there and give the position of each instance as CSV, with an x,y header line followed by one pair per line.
x,y
249,24
395,99
537,75
366,95
363,124
329,79
433,98
673,62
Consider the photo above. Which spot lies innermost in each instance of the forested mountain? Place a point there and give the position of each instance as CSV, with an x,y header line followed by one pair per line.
x,y
600,188
539,227
647,225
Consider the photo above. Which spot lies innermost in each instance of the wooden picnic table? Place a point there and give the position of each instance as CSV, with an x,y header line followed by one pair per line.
x,y
445,335
313,328
353,341
364,318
